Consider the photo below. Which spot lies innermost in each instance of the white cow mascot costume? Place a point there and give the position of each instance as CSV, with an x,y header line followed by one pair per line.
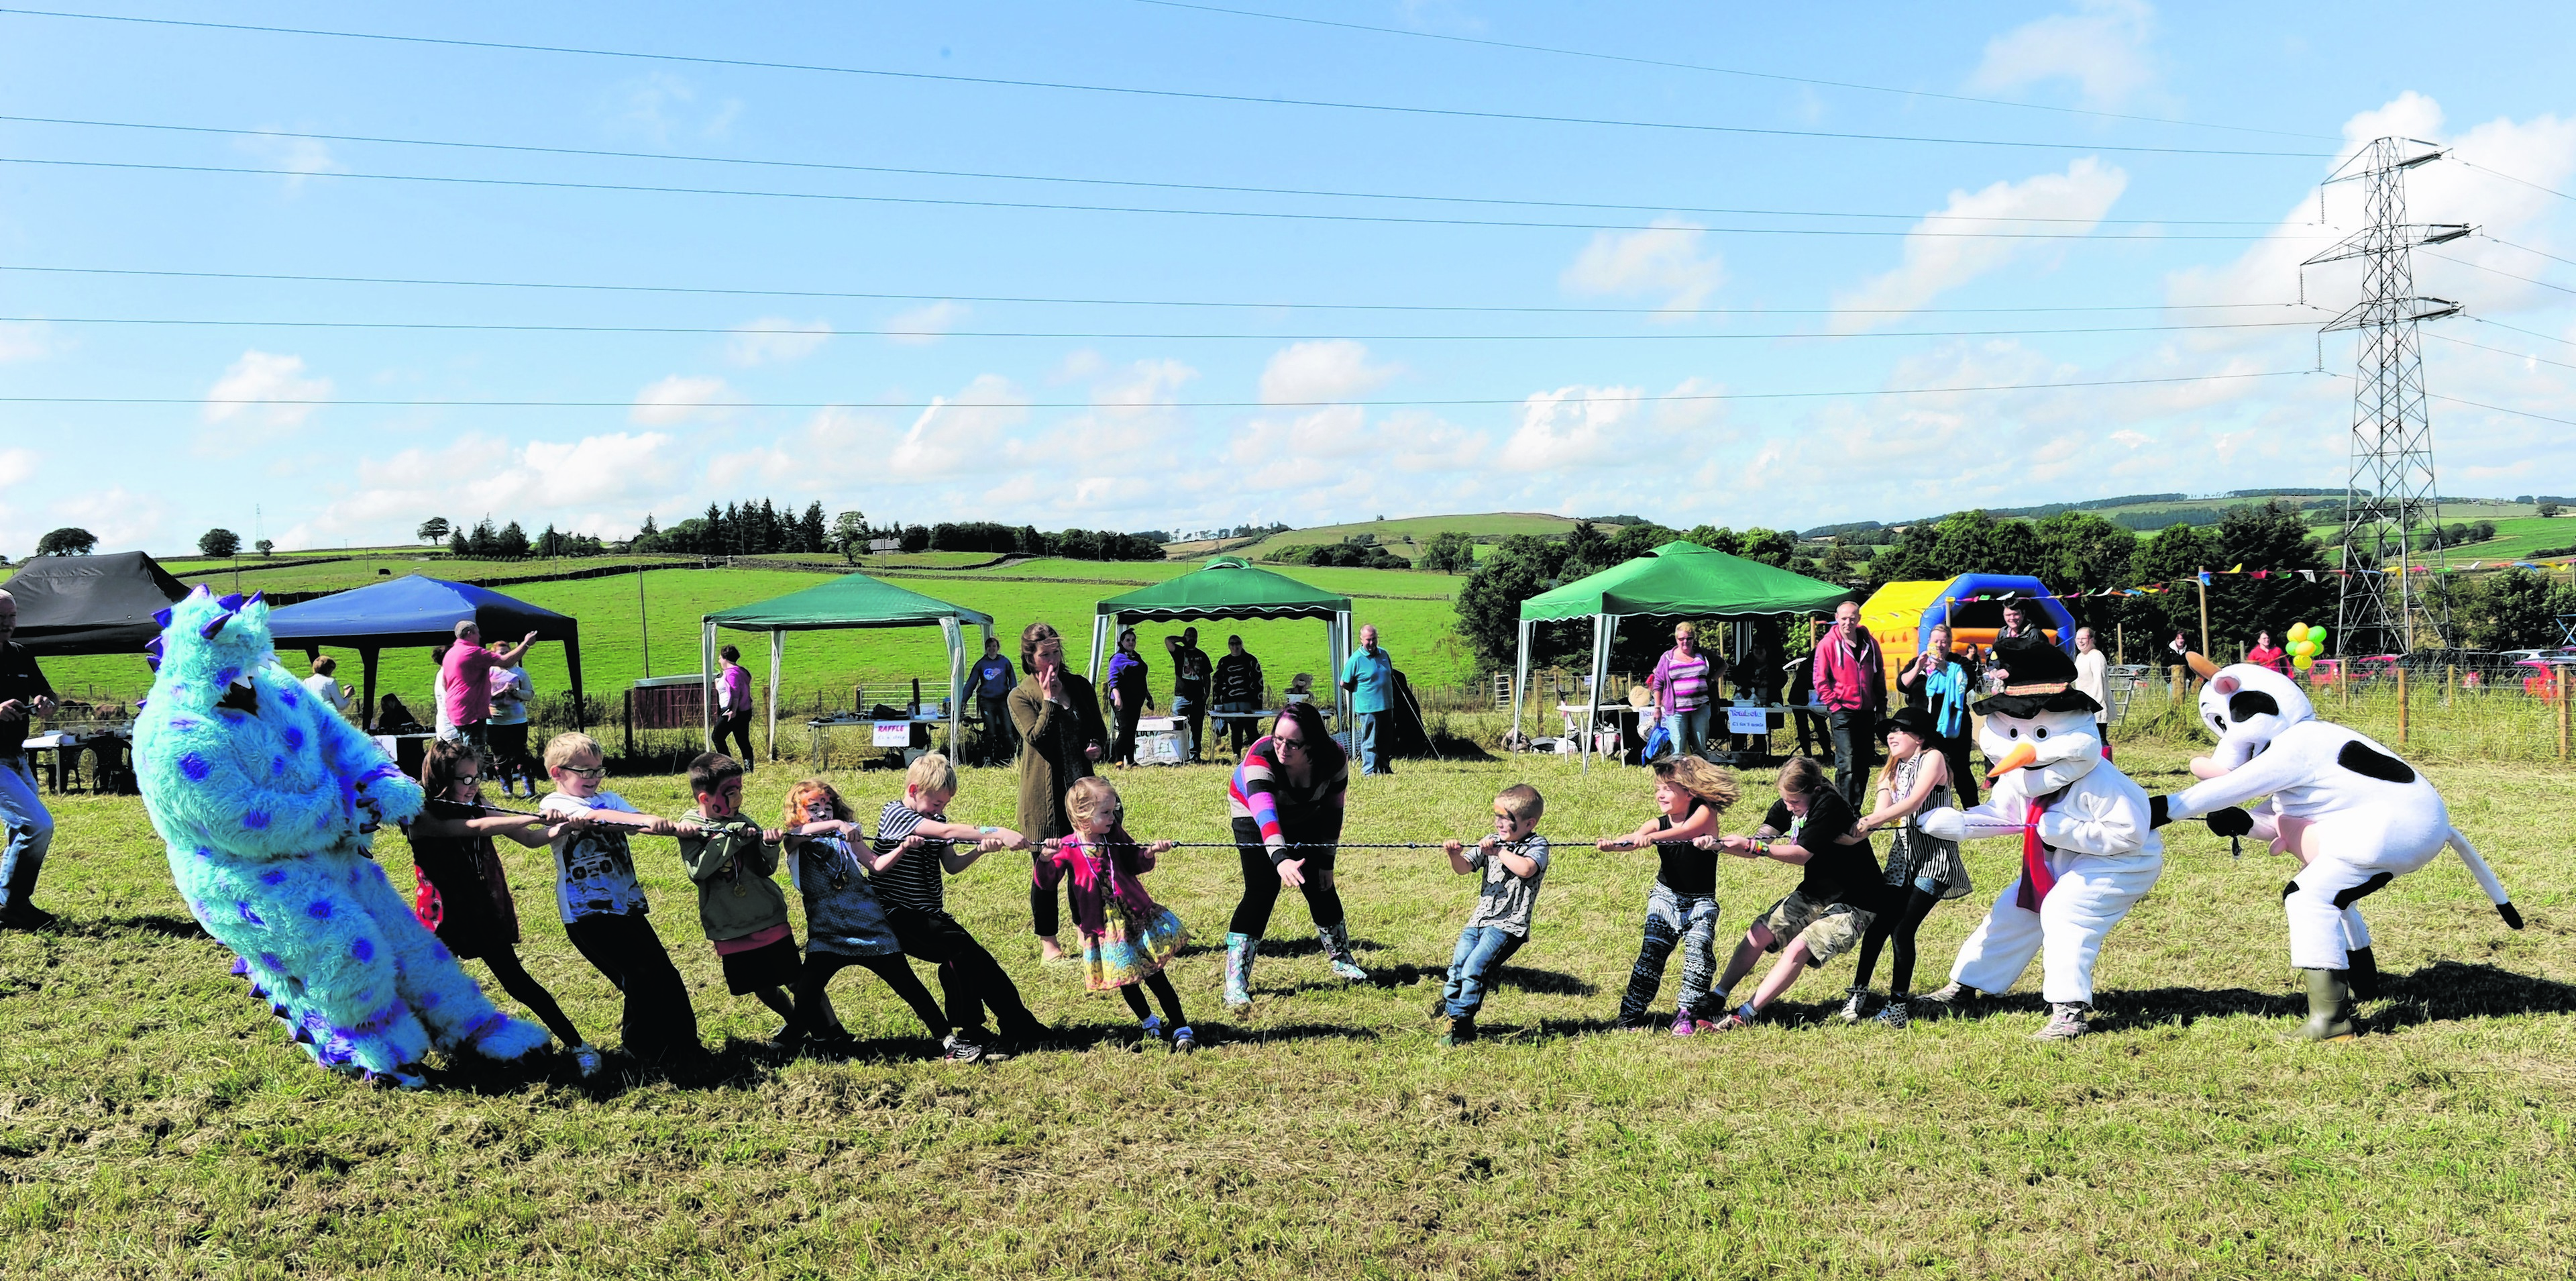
x,y
2089,852
2355,815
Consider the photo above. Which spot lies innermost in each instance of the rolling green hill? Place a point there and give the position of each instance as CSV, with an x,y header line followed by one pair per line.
x,y
1391,534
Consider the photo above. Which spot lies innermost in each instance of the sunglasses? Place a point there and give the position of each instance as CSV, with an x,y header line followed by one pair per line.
x,y
589,771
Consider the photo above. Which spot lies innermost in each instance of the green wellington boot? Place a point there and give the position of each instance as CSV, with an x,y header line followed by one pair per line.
x,y
2329,1007
1239,951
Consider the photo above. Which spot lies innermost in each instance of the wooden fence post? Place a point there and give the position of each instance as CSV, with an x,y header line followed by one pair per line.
x,y
2562,713
2401,707
630,713
2173,682
2450,681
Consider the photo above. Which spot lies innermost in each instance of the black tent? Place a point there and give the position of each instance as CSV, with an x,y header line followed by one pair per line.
x,y
90,604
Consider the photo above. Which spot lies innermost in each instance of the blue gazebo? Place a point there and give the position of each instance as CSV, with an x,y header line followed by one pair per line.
x,y
419,610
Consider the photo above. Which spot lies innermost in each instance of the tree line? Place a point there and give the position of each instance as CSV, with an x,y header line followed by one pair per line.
x,y
2075,553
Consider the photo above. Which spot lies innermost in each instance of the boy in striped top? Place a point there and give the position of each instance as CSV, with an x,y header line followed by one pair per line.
x,y
914,832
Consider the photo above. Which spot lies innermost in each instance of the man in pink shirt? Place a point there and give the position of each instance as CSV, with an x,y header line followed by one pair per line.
x,y
465,680
1851,681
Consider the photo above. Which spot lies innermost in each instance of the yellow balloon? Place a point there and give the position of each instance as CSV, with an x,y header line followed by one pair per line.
x,y
2303,662
2298,632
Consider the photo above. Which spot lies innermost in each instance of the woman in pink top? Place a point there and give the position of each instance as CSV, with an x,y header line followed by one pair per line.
x,y
733,705
465,679
1684,685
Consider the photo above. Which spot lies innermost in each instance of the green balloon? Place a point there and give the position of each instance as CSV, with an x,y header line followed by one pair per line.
x,y
2317,635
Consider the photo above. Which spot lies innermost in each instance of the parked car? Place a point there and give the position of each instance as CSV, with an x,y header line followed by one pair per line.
x,y
2542,676
2372,667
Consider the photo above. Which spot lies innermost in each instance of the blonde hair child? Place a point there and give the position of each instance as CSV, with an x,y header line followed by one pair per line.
x,y
1127,938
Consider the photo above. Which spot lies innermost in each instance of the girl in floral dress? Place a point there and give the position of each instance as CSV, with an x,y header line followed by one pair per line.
x,y
1127,938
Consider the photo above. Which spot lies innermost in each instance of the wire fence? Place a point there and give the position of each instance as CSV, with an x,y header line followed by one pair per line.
x,y
2488,707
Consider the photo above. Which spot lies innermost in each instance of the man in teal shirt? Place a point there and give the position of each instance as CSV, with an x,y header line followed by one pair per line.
x,y
1370,678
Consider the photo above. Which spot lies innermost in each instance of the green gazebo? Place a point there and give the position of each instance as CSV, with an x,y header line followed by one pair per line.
x,y
851,600
1676,580
1230,587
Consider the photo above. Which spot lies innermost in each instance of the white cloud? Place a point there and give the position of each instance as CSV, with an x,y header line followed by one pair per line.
x,y
298,158
26,340
952,436
1666,261
1575,427
661,106
1691,403
2102,47
924,325
259,394
123,520
776,340
676,399
1936,262
1332,369
569,482
16,465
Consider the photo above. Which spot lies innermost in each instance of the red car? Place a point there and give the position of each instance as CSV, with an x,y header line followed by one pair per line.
x,y
2541,676
2328,671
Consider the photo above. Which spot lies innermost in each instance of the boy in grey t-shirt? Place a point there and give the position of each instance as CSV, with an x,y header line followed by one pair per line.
x,y
1514,861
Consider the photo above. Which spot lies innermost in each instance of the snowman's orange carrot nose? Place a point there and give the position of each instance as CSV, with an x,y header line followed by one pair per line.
x,y
2022,754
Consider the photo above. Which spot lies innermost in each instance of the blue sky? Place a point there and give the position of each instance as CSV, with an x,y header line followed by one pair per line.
x,y
1725,372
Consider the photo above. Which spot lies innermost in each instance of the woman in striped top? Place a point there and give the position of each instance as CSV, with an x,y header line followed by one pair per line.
x,y
1286,800
1683,682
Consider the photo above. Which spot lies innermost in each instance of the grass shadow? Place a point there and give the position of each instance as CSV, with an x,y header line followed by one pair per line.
x,y
2449,991
165,924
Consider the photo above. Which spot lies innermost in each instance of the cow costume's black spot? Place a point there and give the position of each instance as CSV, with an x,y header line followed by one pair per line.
x,y
2360,758
2250,703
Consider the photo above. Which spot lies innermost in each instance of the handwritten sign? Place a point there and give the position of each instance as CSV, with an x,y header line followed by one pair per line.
x,y
894,733
1747,720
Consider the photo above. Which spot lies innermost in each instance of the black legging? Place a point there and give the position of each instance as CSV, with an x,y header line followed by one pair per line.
x,y
1125,753
1900,923
524,987
738,727
1962,780
1162,986
1261,878
892,967
1042,896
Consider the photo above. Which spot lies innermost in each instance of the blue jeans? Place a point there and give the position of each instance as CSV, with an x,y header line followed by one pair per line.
x,y
1687,919
31,830
1370,740
1855,751
1689,731
1482,949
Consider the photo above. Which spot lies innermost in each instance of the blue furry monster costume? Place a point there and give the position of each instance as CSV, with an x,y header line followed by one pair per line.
x,y
266,798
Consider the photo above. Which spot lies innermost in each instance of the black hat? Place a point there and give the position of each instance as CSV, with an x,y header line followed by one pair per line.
x,y
1913,720
2040,679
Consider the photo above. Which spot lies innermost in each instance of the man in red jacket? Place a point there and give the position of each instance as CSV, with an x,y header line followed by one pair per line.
x,y
1851,681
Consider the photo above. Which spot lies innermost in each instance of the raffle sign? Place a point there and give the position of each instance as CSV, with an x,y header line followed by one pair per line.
x,y
1747,720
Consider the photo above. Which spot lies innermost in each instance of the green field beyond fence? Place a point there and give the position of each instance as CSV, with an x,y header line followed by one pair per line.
x,y
1413,612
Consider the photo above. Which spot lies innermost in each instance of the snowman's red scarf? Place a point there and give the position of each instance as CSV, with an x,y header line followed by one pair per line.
x,y
2036,879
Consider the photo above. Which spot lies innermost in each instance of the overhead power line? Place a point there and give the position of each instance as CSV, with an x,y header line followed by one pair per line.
x,y
1722,71
465,327
2463,342
2538,253
1040,300
2497,271
829,167
1088,404
2534,333
1043,206
2509,177
1179,95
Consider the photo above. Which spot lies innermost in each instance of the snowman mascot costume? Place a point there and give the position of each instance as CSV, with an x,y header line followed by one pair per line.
x,y
2089,851
2354,815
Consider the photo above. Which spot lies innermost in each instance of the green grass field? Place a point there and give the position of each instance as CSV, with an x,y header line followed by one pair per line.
x,y
156,1123
1413,610
1391,534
